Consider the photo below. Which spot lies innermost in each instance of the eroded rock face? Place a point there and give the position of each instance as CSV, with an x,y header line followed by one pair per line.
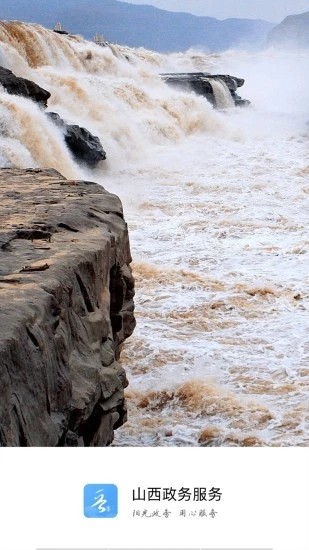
x,y
66,307
84,146
21,86
201,84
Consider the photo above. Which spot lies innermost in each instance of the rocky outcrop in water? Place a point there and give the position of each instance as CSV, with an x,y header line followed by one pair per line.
x,y
66,307
21,86
84,146
201,84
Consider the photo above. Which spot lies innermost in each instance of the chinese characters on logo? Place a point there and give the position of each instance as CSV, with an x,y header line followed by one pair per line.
x,y
100,501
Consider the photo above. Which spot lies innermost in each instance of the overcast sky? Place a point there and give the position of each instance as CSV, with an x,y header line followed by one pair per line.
x,y
271,10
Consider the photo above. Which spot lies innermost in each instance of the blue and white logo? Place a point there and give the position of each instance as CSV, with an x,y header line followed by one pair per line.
x,y
100,501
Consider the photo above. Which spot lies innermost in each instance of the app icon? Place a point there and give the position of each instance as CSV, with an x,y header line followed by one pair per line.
x,y
100,501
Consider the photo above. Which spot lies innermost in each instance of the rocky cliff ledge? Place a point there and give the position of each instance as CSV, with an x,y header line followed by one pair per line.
x,y
66,306
203,84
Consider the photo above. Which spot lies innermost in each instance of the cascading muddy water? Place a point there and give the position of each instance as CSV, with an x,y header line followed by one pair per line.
x,y
223,98
99,89
215,204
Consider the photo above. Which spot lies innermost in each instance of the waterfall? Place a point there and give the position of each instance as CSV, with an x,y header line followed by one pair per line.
x,y
222,94
215,204
123,102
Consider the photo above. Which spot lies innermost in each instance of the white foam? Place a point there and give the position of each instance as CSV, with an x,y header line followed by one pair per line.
x,y
217,209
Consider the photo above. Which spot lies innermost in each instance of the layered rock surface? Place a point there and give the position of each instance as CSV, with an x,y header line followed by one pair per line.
x,y
66,306
201,84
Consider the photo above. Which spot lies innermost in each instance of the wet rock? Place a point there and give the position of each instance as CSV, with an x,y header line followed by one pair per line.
x,y
84,146
200,83
21,86
60,380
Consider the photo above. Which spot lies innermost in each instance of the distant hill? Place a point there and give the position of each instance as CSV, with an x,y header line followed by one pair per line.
x,y
293,31
136,25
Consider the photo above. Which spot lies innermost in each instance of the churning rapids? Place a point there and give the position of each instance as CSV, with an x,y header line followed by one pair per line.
x,y
217,205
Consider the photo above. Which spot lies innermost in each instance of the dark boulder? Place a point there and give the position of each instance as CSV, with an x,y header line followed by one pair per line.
x,y
200,83
84,146
21,86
